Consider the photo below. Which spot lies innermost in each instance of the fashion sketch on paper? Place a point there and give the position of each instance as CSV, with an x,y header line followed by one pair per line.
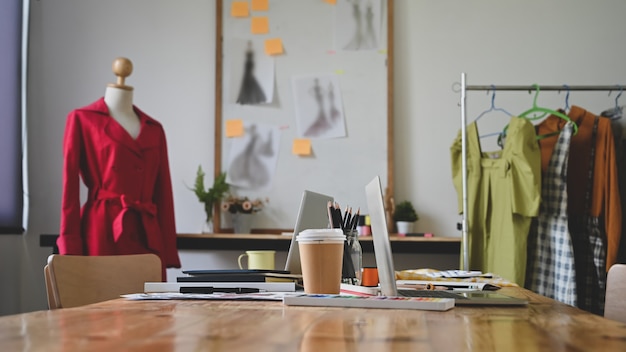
x,y
364,33
319,106
249,167
250,91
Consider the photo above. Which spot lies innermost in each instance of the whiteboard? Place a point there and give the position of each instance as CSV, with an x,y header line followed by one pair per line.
x,y
330,86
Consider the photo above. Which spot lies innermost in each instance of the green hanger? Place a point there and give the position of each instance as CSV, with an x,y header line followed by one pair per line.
x,y
545,111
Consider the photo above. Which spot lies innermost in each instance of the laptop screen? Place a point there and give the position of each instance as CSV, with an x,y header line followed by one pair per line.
x,y
313,214
380,237
384,257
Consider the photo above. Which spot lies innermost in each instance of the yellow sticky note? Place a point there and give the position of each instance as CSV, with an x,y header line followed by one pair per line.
x,y
260,5
260,25
239,9
332,2
234,128
301,146
273,46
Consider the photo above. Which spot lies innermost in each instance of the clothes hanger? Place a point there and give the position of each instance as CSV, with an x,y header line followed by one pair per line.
x,y
545,112
493,106
491,109
527,114
566,108
614,113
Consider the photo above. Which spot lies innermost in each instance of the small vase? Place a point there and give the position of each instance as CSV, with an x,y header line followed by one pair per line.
x,y
207,227
404,227
242,222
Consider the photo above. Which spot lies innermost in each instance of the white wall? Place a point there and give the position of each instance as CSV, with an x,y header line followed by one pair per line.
x,y
171,44
494,42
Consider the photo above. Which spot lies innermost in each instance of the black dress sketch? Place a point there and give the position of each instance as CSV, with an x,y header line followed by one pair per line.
x,y
250,92
321,123
247,169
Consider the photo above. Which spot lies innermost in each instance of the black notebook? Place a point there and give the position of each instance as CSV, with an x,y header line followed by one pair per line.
x,y
245,275
233,271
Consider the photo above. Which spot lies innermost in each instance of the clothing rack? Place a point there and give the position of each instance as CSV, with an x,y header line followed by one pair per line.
x,y
529,88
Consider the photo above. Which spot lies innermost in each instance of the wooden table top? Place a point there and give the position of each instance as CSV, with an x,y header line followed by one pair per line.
x,y
122,325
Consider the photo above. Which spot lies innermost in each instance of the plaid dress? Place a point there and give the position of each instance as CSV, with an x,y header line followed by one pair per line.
x,y
589,241
550,265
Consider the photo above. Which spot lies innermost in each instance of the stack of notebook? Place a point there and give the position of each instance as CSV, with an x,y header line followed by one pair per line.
x,y
212,280
249,275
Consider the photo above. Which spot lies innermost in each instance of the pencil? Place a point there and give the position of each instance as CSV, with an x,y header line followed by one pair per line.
x,y
355,219
331,215
337,212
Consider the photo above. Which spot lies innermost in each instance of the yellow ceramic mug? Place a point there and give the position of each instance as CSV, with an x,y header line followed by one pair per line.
x,y
258,260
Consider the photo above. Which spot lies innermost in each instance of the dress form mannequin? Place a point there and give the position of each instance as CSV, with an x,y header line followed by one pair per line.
x,y
120,154
119,98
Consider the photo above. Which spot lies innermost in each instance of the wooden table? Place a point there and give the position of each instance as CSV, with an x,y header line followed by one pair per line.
x,y
122,325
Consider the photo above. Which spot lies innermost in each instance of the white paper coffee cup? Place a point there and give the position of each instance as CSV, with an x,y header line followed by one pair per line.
x,y
321,258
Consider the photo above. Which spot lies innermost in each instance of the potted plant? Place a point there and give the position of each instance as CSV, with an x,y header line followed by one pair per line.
x,y
241,210
405,216
210,196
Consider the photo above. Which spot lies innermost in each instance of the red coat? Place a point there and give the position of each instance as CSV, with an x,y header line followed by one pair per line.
x,y
129,207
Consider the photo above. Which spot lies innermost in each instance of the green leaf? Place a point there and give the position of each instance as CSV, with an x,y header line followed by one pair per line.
x,y
213,194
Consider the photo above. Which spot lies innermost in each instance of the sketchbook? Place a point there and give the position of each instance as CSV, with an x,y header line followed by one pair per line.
x,y
418,303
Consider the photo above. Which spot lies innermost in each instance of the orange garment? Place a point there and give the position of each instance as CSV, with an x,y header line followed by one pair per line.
x,y
605,202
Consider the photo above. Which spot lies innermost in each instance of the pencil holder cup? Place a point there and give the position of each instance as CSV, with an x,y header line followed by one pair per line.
x,y
352,266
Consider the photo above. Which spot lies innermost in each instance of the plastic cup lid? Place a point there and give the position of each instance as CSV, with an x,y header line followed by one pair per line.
x,y
326,235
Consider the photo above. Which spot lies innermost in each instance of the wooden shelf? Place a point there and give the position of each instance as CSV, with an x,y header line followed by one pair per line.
x,y
229,241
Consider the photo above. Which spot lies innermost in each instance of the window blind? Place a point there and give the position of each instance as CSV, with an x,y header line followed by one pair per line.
x,y
11,174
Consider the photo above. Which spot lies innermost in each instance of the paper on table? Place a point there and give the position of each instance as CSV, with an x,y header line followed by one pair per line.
x,y
262,296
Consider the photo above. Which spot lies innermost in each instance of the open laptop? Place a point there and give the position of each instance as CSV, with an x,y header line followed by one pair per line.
x,y
313,214
386,270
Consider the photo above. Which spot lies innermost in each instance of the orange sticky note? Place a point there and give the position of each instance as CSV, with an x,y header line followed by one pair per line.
x,y
301,146
273,46
260,25
332,2
260,5
234,128
239,9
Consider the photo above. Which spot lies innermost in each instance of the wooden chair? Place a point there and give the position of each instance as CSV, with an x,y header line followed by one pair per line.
x,y
615,302
46,274
79,280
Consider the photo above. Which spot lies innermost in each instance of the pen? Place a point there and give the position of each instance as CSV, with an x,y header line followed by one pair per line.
x,y
429,287
211,289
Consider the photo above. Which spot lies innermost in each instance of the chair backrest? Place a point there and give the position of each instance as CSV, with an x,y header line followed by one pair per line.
x,y
615,302
52,304
79,280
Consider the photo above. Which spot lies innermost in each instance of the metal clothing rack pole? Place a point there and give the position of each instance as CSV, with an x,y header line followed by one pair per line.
x,y
544,88
529,88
